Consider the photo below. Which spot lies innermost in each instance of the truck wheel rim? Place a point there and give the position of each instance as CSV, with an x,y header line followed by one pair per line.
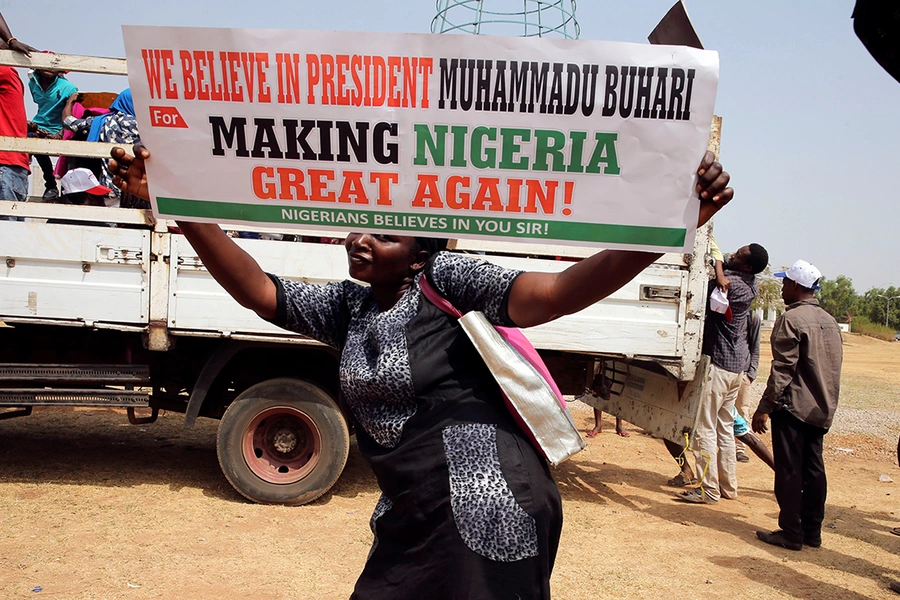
x,y
281,445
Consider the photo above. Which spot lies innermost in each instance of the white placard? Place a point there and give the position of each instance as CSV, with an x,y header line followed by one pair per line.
x,y
574,142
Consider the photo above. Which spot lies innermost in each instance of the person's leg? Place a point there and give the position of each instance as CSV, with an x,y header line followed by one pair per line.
x,y
675,449
815,486
47,169
787,446
620,428
758,447
705,445
742,404
726,463
13,185
686,476
598,424
46,166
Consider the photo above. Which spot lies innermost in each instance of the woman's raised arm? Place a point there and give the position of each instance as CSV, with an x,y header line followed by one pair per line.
x,y
536,298
228,263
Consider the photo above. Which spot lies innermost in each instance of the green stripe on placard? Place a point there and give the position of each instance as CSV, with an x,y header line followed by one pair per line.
x,y
447,225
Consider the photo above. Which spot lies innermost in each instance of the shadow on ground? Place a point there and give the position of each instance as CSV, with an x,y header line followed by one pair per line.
x,y
100,448
607,483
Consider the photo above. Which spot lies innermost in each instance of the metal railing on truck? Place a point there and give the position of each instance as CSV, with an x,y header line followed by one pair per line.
x,y
61,62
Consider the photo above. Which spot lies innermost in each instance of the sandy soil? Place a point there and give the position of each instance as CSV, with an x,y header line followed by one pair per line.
x,y
91,507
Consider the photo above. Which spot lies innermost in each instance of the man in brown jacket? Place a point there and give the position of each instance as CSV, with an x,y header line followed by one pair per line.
x,y
801,397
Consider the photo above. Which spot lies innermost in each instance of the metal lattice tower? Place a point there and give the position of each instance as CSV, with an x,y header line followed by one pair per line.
x,y
524,18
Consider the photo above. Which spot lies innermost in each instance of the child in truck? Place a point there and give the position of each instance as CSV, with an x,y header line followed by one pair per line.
x,y
50,90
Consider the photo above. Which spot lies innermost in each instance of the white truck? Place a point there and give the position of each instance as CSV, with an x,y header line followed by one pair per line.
x,y
127,316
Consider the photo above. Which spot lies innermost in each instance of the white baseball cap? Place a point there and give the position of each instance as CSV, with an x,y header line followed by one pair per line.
x,y
82,180
803,273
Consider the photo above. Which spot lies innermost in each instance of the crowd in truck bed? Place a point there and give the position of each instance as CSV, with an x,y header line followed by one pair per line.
x,y
61,115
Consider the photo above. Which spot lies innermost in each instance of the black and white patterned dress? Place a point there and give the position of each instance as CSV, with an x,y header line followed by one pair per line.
x,y
468,508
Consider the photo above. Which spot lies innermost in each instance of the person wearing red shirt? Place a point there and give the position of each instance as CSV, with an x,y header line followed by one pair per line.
x,y
14,166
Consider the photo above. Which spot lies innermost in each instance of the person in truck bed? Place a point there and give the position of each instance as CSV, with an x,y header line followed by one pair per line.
x,y
14,166
118,126
50,90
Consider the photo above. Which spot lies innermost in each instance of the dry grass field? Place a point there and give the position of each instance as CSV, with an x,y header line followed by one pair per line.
x,y
94,508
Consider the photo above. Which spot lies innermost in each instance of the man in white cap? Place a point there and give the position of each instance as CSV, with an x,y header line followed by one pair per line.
x,y
801,397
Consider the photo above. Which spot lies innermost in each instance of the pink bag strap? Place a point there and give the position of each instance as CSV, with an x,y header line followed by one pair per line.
x,y
435,297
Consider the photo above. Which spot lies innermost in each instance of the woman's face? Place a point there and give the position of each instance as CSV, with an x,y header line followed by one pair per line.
x,y
380,259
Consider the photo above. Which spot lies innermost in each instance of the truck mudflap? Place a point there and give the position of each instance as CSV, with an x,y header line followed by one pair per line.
x,y
649,398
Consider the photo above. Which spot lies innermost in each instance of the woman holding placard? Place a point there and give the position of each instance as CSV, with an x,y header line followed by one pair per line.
x,y
469,508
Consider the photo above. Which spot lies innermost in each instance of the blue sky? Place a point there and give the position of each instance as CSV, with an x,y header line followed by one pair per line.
x,y
811,132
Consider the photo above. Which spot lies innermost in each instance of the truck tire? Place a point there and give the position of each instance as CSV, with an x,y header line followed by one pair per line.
x,y
283,441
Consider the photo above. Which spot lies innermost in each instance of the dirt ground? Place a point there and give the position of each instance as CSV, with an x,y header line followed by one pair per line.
x,y
92,507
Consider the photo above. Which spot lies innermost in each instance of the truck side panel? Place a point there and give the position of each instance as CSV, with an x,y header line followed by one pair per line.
x,y
634,320
197,302
93,274
77,273
624,323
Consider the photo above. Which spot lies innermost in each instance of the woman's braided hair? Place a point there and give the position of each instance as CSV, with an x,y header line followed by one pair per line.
x,y
431,245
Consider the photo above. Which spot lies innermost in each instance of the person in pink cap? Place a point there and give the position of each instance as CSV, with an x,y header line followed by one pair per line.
x,y
800,398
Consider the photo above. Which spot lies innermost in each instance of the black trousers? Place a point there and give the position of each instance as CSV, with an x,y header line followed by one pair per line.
x,y
800,483
46,167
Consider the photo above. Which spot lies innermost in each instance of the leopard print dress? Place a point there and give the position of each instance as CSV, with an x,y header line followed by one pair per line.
x,y
468,509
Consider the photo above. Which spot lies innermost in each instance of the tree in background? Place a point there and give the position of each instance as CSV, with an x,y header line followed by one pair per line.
x,y
768,296
865,313
874,305
838,297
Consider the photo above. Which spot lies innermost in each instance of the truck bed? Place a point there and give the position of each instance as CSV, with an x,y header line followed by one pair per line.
x,y
138,273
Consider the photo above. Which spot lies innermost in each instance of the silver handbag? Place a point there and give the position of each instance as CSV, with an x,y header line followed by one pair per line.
x,y
532,397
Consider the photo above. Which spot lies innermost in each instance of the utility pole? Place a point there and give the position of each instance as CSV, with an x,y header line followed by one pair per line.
x,y
887,311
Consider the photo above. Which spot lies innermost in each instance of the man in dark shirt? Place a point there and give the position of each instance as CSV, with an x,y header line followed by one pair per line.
x,y
725,342
742,404
801,398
